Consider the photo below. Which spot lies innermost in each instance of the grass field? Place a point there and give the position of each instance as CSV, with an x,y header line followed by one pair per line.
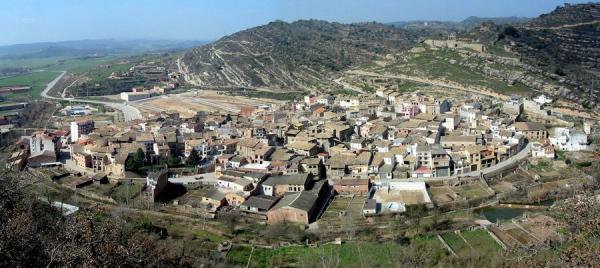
x,y
83,64
45,70
209,235
37,81
457,244
355,254
120,192
79,65
482,241
31,63
102,72
477,241
473,191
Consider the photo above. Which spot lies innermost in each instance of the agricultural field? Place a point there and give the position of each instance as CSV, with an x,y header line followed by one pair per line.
x,y
37,81
351,254
541,227
30,63
472,191
343,212
457,244
466,243
42,71
123,192
441,195
82,64
482,241
102,72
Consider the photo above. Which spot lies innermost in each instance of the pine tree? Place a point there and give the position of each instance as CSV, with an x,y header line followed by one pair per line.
x,y
173,160
194,158
137,161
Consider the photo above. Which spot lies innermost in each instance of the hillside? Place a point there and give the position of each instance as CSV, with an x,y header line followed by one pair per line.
x,y
557,54
290,56
565,43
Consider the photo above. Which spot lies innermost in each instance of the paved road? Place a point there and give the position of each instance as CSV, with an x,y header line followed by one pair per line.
x,y
504,164
523,154
129,112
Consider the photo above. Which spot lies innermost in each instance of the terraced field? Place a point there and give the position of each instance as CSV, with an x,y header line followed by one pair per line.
x,y
457,244
482,241
470,242
351,254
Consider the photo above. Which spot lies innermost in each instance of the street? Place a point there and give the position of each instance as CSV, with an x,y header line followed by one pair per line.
x,y
129,112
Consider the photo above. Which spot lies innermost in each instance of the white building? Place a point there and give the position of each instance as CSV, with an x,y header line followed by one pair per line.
x,y
348,103
79,128
567,140
133,96
234,184
542,150
542,99
40,142
451,122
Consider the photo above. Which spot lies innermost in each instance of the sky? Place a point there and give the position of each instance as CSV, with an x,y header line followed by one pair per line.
x,y
28,21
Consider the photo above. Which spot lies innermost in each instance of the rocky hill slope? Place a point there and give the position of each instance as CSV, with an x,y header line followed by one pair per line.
x,y
289,56
556,53
565,43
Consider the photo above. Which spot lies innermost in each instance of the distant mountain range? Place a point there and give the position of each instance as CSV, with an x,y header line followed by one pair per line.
x,y
432,27
100,47
471,22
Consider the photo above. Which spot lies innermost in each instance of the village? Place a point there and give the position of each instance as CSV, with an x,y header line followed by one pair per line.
x,y
333,164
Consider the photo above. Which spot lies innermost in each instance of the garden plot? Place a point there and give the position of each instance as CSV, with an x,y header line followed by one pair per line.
x,y
542,227
342,210
481,241
465,243
503,186
520,236
351,254
508,240
457,244
441,195
472,191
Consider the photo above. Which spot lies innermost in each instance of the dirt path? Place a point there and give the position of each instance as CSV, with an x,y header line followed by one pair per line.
x,y
340,82
564,26
447,84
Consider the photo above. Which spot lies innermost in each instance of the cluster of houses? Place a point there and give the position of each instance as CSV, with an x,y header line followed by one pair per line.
x,y
285,164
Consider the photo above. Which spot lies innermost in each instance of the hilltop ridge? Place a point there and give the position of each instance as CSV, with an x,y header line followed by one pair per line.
x,y
285,55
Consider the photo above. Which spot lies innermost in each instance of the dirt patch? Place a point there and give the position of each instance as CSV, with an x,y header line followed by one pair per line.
x,y
440,195
188,103
400,196
542,227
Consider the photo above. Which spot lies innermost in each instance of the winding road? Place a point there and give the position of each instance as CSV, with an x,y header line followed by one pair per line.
x,y
130,113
